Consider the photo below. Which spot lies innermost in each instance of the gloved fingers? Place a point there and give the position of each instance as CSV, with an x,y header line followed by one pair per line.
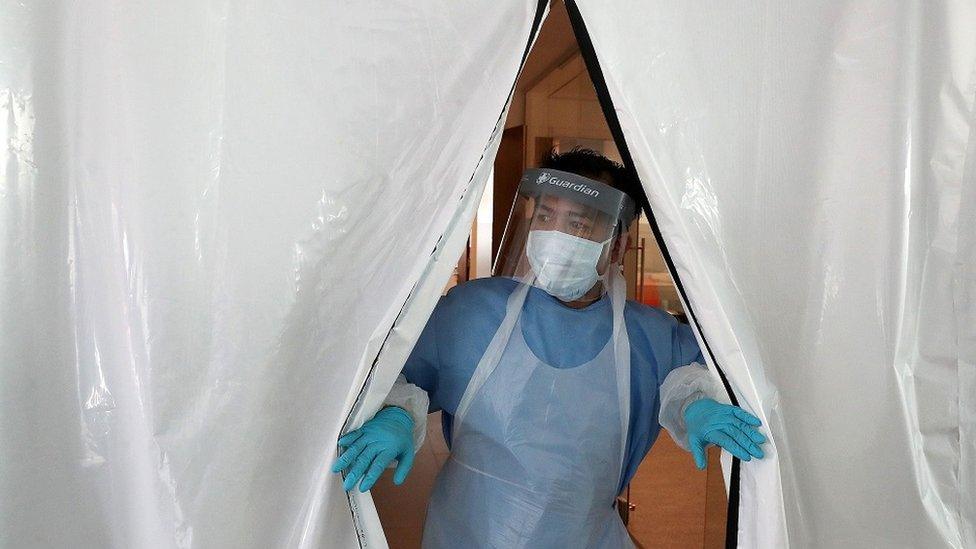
x,y
404,464
736,423
359,468
350,454
375,470
753,434
748,429
746,416
728,444
743,439
698,452
350,437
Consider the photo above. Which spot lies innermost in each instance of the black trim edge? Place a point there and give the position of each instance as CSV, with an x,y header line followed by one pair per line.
x,y
606,103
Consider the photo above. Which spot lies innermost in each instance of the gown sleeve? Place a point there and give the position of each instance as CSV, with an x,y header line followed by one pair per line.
x,y
689,380
414,400
423,366
415,390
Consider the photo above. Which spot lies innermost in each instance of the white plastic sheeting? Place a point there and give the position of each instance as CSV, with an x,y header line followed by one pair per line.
x,y
812,167
211,213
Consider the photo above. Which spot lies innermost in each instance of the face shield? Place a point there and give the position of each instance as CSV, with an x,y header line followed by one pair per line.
x,y
561,233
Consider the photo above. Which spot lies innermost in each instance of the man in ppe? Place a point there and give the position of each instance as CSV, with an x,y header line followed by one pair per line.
x,y
553,387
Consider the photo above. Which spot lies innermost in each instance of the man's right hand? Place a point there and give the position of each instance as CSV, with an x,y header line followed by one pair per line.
x,y
372,447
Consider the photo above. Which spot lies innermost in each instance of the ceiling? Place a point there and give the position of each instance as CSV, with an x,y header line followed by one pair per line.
x,y
555,45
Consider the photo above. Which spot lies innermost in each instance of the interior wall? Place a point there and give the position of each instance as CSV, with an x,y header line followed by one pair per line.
x,y
509,165
555,44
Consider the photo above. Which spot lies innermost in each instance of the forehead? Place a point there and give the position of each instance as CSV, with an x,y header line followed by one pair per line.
x,y
556,204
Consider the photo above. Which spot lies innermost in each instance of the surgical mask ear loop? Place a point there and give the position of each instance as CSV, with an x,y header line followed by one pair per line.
x,y
605,277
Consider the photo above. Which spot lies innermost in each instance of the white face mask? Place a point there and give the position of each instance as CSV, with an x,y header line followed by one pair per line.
x,y
564,265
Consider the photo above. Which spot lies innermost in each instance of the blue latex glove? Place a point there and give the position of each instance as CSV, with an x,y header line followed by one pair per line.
x,y
734,429
369,449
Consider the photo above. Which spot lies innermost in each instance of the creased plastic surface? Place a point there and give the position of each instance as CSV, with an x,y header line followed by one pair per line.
x,y
210,215
811,167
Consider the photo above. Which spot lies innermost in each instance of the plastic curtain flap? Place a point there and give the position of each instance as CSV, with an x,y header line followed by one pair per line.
x,y
211,215
812,167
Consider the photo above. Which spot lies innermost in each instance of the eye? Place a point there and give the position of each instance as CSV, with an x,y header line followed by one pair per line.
x,y
579,226
544,217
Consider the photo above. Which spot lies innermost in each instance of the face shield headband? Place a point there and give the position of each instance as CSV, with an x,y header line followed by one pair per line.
x,y
583,190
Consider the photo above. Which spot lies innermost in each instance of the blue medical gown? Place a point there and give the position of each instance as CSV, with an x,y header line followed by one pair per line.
x,y
465,320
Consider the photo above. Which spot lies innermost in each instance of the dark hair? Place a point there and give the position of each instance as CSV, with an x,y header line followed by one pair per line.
x,y
589,163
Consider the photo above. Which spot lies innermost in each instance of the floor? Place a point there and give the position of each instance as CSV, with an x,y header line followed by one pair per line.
x,y
676,506
402,509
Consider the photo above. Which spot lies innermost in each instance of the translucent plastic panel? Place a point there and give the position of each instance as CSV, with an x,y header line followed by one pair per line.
x,y
211,213
807,165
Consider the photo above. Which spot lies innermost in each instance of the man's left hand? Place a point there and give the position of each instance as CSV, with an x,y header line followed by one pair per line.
x,y
734,429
